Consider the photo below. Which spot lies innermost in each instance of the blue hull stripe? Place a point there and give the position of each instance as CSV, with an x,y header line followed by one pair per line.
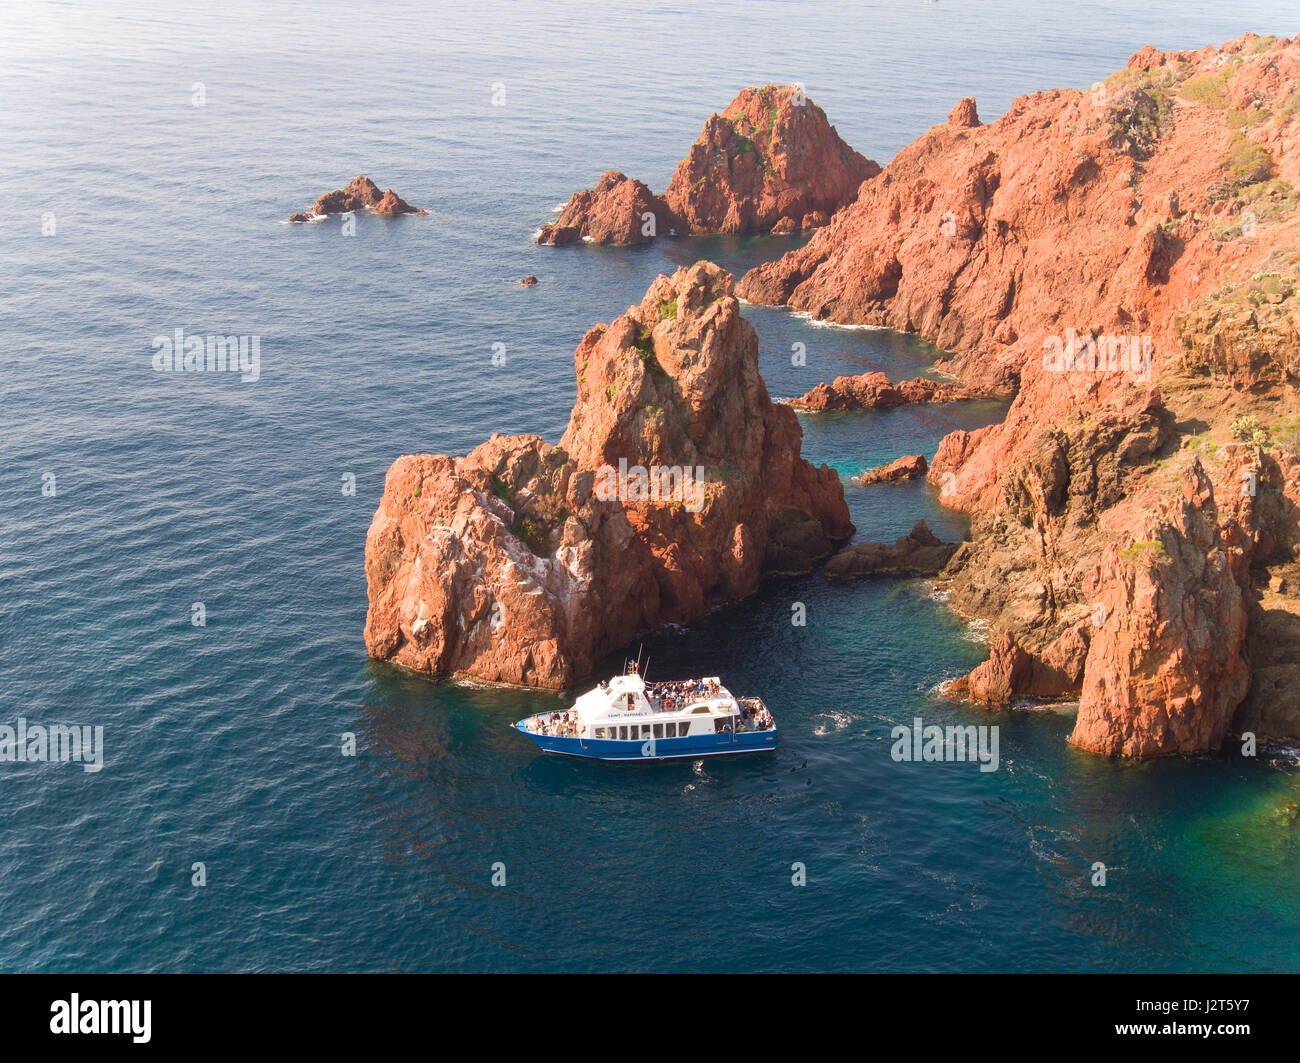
x,y
662,748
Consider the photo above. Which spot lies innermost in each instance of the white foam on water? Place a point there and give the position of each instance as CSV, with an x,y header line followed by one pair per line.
x,y
817,322
836,721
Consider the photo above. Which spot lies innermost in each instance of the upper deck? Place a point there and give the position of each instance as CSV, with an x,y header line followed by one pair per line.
x,y
629,696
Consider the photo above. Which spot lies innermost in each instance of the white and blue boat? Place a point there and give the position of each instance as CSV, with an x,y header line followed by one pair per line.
x,y
628,719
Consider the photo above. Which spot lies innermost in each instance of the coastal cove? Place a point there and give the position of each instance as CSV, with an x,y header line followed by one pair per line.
x,y
222,743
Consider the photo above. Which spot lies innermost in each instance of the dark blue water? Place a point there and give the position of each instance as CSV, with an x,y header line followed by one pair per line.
x,y
223,742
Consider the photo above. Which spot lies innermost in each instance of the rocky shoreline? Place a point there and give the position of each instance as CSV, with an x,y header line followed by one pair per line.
x,y
1122,261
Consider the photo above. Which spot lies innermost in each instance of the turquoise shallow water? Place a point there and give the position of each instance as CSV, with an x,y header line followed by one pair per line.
x,y
223,742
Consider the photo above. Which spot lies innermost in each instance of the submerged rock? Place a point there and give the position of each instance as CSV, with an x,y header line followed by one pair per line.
x,y
677,484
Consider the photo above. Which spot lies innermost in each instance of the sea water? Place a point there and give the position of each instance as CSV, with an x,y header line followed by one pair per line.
x,y
181,553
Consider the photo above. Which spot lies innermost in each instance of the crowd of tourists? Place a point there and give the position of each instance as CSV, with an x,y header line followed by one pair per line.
x,y
669,696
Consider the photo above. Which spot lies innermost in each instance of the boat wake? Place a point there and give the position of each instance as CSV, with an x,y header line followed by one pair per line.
x,y
833,722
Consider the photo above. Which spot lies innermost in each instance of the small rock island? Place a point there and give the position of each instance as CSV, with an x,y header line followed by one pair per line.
x,y
360,194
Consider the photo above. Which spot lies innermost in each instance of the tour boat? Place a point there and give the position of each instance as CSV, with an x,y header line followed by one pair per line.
x,y
629,719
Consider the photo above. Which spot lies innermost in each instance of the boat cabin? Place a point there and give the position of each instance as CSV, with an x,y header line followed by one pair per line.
x,y
626,709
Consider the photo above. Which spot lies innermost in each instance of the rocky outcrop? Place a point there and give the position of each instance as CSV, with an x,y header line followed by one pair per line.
x,y
918,553
874,391
964,114
909,467
360,194
1260,491
1123,259
1012,673
1165,669
619,210
999,679
676,486
771,162
960,238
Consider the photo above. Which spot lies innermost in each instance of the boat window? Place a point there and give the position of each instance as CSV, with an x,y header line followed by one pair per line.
x,y
631,702
600,732
670,730
622,733
700,709
659,730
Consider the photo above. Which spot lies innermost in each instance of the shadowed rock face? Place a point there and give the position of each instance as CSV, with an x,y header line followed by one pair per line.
x,y
771,162
918,553
1156,214
526,563
361,193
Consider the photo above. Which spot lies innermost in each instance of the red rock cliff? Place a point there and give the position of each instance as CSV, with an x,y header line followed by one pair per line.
x,y
1124,258
676,486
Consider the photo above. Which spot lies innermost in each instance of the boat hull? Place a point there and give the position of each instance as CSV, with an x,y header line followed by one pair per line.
x,y
691,747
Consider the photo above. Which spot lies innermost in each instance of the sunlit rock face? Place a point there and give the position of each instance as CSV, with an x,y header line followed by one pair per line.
x,y
677,484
